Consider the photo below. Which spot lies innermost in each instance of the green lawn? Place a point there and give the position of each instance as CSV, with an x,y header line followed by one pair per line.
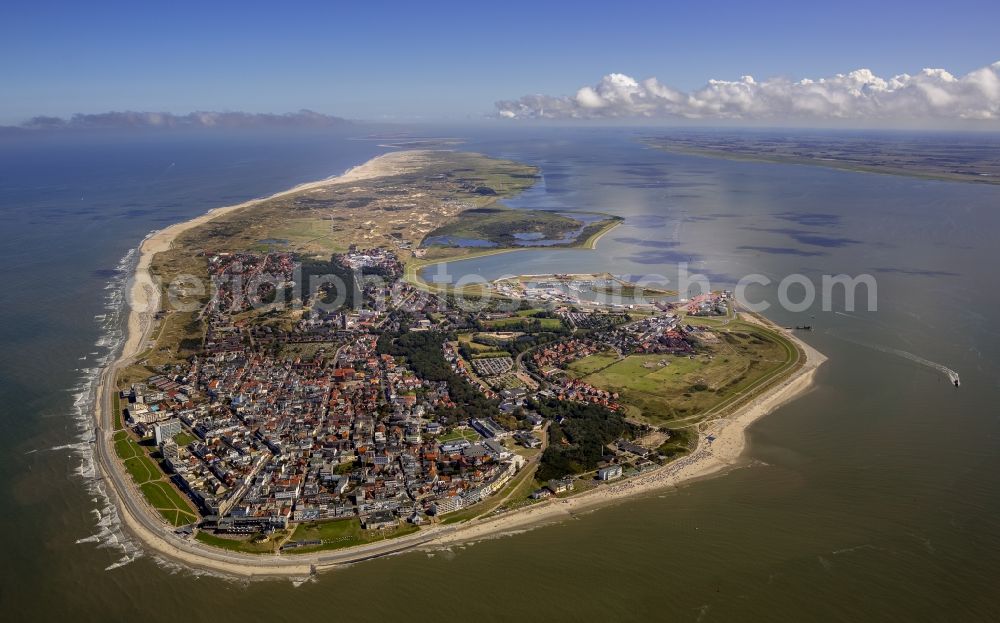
x,y
116,406
125,448
593,363
184,439
742,359
491,354
156,494
137,463
527,313
454,435
168,502
240,545
142,469
644,372
342,533
466,339
337,530
145,473
520,323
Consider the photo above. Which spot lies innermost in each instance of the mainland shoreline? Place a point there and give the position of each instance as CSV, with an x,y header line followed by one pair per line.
x,y
143,298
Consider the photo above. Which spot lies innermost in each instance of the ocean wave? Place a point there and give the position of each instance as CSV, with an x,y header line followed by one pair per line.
x,y
109,533
175,568
297,582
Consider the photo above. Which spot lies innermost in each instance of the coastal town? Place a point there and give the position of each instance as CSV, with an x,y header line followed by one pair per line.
x,y
394,411
296,385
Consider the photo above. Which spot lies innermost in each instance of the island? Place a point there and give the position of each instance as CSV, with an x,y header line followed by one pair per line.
x,y
922,155
292,396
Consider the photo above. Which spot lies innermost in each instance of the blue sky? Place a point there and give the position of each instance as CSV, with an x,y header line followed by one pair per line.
x,y
447,60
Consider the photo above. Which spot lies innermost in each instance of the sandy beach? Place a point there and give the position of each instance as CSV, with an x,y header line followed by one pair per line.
x,y
143,295
710,457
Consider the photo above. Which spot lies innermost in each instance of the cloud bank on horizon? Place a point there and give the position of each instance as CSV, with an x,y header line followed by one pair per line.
x,y
860,96
201,119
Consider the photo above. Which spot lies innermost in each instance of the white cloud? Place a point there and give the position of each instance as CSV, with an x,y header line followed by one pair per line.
x,y
932,94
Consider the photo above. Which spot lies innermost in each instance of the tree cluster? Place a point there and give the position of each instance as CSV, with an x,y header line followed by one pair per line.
x,y
423,351
577,436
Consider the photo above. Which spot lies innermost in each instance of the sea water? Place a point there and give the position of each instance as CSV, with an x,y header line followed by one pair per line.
x,y
873,496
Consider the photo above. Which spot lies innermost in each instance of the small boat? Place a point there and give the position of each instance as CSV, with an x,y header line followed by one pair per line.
x,y
956,382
